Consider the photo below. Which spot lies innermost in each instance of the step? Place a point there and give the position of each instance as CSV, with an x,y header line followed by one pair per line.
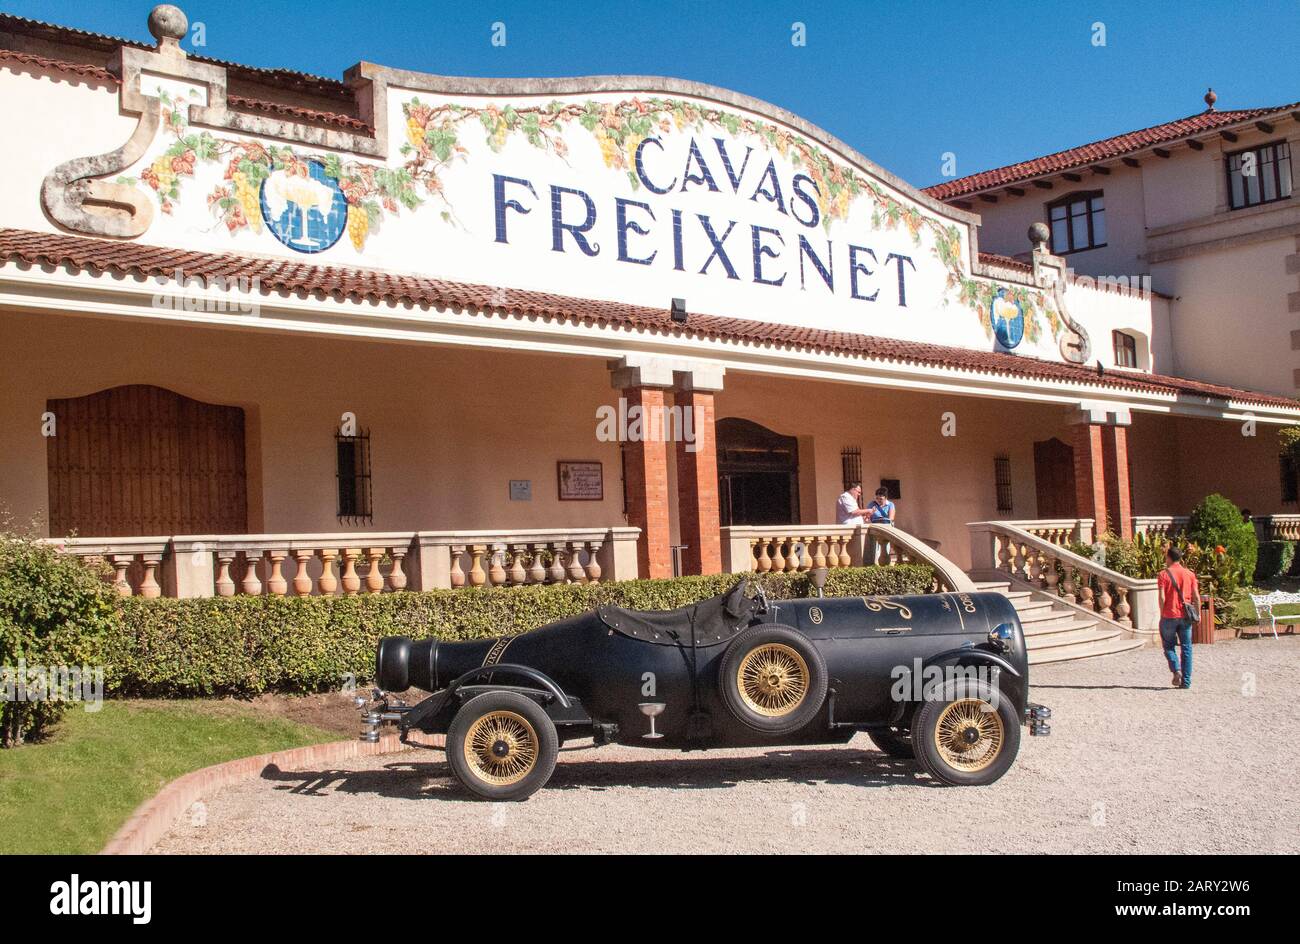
x,y
1052,627
1086,634
1107,647
1030,608
1002,586
1048,615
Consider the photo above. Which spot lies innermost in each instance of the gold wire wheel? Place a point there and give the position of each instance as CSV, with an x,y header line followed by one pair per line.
x,y
773,679
968,737
501,748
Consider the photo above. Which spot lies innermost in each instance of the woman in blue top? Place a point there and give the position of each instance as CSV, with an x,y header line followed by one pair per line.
x,y
882,512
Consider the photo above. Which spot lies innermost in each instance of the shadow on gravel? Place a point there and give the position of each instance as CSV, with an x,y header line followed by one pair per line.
x,y
1127,688
433,780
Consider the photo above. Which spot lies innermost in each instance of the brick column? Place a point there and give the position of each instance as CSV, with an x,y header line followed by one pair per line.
x,y
646,470
697,485
1089,476
1114,442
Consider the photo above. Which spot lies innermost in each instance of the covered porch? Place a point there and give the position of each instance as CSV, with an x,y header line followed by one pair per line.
x,y
206,461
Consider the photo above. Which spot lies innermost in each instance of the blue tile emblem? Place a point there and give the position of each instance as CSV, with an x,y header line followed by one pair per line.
x,y
1008,319
307,213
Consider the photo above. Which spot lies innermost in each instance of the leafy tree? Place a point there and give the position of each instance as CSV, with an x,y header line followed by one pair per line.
x,y
1217,523
55,611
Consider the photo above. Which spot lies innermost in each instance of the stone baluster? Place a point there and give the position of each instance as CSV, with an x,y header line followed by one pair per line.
x,y
350,579
557,572
1050,575
497,566
576,572
397,576
477,575
819,553
329,583
302,577
456,568
275,581
1067,583
806,558
252,584
121,562
537,573
1122,609
846,559
518,575
778,562
1003,552
149,588
1085,590
755,562
1104,598
224,583
593,565
374,572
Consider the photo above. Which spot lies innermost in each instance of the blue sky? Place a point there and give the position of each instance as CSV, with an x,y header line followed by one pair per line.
x,y
902,82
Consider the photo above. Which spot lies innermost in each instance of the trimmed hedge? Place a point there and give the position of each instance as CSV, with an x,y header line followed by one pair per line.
x,y
244,646
1275,559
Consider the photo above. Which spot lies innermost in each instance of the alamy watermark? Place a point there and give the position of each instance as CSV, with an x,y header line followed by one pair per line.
x,y
624,423
210,294
68,683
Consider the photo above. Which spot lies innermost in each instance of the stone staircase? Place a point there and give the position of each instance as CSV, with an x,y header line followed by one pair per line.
x,y
1058,632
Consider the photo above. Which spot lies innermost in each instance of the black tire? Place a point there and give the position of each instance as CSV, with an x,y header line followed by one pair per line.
x,y
799,674
895,742
989,757
519,725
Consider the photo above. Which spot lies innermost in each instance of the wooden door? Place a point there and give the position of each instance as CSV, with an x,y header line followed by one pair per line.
x,y
141,460
1054,479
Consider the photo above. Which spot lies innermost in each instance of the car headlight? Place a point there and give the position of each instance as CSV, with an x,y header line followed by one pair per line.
x,y
1002,635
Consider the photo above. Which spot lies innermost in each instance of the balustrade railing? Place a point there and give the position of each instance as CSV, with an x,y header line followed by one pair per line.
x,y
999,548
799,548
352,564
1159,526
1058,531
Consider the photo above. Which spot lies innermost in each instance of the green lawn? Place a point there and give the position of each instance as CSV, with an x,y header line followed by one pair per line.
x,y
70,793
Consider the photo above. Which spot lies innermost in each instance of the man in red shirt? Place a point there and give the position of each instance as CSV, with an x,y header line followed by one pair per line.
x,y
1178,587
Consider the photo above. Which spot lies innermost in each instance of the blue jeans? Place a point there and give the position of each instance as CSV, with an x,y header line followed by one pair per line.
x,y
1180,632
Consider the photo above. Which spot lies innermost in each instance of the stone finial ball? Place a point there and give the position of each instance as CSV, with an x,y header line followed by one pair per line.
x,y
1210,99
168,22
1039,234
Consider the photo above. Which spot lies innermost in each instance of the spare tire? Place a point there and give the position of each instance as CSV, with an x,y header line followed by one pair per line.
x,y
773,679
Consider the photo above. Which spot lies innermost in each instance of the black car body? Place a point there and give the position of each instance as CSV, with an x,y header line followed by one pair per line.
x,y
727,672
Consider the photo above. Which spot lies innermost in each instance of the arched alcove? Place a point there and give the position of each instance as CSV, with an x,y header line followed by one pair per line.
x,y
142,460
758,474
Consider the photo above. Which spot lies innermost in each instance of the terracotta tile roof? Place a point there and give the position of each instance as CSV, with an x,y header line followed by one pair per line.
x,y
1104,150
276,274
103,43
237,102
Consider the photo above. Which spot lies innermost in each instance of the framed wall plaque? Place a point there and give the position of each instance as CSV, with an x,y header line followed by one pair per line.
x,y
580,481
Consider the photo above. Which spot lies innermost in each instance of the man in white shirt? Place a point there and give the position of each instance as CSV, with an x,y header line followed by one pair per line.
x,y
848,509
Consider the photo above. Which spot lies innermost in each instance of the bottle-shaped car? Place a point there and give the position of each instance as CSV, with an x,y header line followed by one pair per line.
x,y
942,678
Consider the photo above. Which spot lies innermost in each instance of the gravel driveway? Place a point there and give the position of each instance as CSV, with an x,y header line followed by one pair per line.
x,y
1132,766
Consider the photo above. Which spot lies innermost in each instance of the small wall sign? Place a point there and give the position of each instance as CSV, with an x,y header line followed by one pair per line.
x,y
580,481
521,490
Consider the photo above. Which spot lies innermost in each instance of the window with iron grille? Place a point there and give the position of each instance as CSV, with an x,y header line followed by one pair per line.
x,y
1002,481
1078,222
851,465
353,471
1287,468
1259,175
1125,349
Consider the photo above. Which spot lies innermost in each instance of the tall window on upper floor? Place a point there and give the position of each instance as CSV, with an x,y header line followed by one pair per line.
x,y
1126,349
1078,222
1259,175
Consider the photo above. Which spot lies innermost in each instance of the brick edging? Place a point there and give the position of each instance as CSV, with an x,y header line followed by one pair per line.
x,y
155,816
